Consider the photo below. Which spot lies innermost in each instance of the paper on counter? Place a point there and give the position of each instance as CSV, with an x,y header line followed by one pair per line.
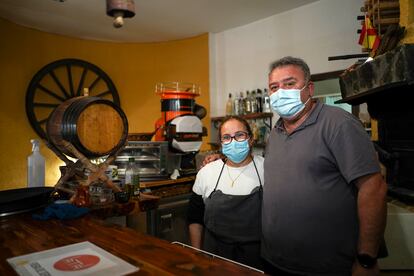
x,y
77,259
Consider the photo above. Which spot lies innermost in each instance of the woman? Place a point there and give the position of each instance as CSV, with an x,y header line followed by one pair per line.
x,y
227,195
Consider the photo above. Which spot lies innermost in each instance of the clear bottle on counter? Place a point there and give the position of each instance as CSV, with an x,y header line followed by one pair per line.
x,y
132,178
35,166
229,106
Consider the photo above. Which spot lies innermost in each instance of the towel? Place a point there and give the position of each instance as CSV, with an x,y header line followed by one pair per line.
x,y
61,211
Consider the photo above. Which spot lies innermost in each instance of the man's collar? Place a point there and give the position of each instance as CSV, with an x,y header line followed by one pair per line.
x,y
313,116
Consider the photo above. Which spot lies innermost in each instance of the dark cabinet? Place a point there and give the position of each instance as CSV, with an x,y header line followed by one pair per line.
x,y
169,220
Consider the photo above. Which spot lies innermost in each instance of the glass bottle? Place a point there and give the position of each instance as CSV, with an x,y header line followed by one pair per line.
x,y
262,131
242,104
229,106
82,197
247,103
255,131
259,101
35,166
253,102
132,178
266,103
236,105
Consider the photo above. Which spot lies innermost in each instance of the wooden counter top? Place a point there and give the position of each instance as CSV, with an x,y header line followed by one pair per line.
x,y
158,183
20,234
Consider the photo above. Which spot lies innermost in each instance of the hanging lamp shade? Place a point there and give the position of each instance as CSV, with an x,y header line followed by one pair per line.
x,y
120,9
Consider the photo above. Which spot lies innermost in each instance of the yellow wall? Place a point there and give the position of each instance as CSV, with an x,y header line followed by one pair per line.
x,y
134,68
407,19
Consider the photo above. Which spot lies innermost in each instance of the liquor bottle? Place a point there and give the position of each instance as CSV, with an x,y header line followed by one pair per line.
x,y
247,103
259,101
132,178
242,104
236,105
262,131
229,106
266,103
35,167
255,131
253,102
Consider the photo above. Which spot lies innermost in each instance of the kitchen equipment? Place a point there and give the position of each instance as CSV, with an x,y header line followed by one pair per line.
x,y
179,123
150,157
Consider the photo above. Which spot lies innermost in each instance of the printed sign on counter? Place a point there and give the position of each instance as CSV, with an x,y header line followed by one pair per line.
x,y
77,259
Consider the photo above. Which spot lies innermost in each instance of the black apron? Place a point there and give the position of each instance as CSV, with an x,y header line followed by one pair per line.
x,y
233,224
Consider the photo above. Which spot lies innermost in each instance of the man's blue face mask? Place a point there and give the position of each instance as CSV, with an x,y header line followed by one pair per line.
x,y
287,102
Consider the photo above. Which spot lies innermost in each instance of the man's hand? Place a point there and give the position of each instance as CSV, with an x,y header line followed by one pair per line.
x,y
358,270
210,158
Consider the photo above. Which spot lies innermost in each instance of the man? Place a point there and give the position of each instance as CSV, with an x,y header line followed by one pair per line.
x,y
324,207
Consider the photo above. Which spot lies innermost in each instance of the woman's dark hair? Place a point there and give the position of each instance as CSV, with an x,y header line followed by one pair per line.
x,y
237,118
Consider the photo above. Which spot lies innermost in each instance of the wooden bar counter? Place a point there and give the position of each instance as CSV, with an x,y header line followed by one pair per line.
x,y
20,234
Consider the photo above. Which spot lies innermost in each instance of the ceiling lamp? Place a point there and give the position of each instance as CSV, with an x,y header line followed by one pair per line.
x,y
120,9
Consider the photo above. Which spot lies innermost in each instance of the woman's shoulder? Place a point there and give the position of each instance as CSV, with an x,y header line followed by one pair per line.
x,y
203,181
210,167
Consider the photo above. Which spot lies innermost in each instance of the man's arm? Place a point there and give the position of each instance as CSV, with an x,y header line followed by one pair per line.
x,y
372,214
212,157
196,234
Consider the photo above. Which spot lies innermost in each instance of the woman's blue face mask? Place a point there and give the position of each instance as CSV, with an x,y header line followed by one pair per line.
x,y
236,151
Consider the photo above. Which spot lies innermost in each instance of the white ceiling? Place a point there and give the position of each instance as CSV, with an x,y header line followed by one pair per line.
x,y
155,20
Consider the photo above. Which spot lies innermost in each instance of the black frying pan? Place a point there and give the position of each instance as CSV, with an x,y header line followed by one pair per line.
x,y
23,200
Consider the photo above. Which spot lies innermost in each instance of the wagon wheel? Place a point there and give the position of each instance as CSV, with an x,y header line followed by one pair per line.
x,y
60,81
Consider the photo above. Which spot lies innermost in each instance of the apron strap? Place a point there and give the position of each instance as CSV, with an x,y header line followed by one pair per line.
x,y
258,175
221,171
218,179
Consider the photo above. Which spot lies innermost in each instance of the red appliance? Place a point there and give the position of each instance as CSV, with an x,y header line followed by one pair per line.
x,y
180,122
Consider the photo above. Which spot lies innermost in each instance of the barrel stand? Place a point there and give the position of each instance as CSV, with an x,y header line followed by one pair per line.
x,y
96,172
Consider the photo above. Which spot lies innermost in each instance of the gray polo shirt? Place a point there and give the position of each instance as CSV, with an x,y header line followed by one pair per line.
x,y
310,221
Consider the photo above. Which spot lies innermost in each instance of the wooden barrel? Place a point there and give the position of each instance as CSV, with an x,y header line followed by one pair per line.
x,y
96,127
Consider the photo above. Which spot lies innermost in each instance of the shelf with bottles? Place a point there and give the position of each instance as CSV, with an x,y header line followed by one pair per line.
x,y
260,124
266,117
250,116
216,145
254,102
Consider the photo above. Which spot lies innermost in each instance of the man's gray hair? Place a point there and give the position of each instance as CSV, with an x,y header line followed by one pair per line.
x,y
292,61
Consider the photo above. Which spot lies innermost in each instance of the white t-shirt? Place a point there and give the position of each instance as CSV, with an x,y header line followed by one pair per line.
x,y
245,177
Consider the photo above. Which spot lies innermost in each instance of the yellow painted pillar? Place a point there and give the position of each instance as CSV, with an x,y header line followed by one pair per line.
x,y
407,19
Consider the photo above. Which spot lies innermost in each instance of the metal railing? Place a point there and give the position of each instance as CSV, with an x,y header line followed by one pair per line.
x,y
217,256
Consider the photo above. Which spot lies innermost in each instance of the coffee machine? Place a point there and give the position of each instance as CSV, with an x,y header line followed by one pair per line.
x,y
180,123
